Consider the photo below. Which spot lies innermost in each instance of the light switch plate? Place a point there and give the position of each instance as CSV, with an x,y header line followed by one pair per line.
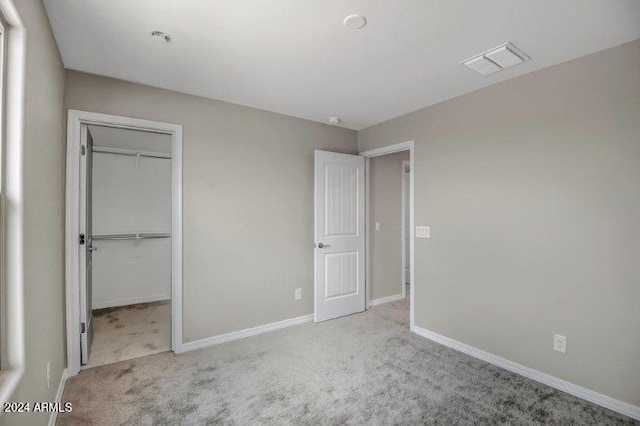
x,y
298,294
423,232
377,226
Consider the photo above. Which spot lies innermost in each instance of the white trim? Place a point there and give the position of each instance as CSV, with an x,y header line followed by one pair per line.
x,y
367,240
388,299
72,267
405,191
132,301
63,381
13,344
390,149
247,332
570,388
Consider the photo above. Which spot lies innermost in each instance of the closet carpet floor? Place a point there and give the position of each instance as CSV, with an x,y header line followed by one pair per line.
x,y
132,331
366,368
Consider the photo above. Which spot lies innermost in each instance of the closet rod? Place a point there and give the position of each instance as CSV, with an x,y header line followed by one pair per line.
x,y
129,152
144,236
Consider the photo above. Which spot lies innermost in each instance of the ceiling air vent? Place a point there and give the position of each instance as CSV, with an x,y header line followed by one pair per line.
x,y
504,56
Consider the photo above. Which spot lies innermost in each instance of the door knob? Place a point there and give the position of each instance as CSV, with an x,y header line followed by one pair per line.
x,y
322,245
92,248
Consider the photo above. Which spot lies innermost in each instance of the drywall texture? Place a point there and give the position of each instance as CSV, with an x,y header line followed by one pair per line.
x,y
44,150
530,187
385,208
248,200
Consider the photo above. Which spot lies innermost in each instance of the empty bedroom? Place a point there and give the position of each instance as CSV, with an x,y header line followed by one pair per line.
x,y
320,212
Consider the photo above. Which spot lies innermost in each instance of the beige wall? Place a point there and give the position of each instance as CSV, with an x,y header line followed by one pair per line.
x,y
248,200
385,207
531,190
44,215
530,187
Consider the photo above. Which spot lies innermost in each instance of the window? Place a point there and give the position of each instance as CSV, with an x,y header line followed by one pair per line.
x,y
2,203
12,80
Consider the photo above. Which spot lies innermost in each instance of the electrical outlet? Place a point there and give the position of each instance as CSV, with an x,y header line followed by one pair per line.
x,y
377,226
298,293
560,343
48,374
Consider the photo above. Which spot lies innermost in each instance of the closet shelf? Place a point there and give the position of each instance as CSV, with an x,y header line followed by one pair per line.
x,y
139,236
129,152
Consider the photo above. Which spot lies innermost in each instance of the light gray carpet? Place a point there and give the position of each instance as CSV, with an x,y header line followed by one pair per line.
x,y
132,331
363,369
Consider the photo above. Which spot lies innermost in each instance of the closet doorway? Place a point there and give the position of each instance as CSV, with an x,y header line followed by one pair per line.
x,y
124,256
128,189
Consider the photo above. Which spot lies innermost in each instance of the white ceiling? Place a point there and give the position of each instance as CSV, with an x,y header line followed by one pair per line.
x,y
295,57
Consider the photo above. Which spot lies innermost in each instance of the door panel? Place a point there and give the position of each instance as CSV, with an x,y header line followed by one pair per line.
x,y
86,250
339,235
341,274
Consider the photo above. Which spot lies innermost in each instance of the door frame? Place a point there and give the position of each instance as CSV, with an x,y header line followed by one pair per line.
x,y
392,149
405,194
75,119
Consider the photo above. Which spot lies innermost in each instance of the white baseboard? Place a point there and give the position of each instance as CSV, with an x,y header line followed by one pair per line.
x,y
63,380
133,301
570,388
241,334
387,299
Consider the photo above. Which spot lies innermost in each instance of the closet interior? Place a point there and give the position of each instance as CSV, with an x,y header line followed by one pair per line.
x,y
130,199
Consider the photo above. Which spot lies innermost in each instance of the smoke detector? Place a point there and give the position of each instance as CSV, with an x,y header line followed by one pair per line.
x,y
354,22
504,56
334,120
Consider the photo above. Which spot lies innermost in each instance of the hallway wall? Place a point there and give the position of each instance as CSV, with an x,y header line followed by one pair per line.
x,y
385,207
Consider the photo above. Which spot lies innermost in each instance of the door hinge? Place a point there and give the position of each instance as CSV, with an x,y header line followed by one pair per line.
x,y
83,150
81,239
83,328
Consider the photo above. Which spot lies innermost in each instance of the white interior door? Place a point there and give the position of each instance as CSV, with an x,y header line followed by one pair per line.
x,y
86,244
339,235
